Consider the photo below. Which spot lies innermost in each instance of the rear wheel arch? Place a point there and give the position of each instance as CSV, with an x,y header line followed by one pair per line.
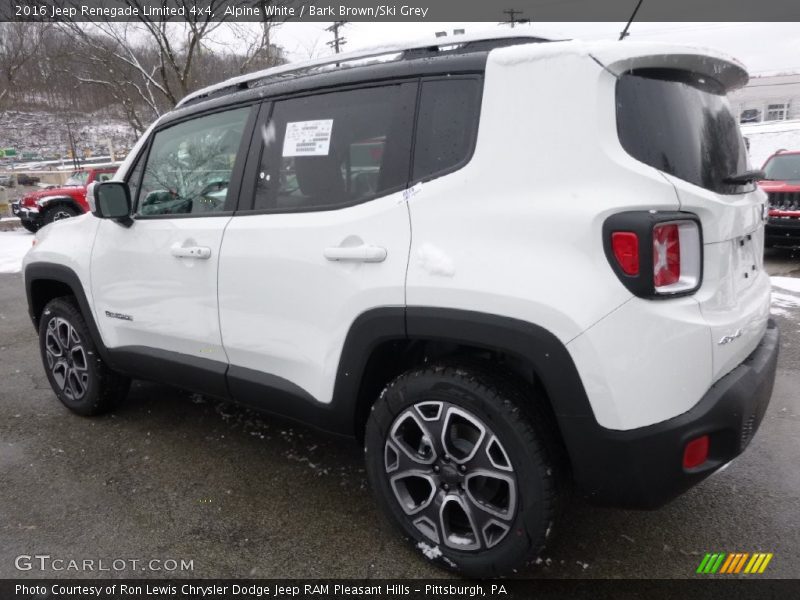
x,y
529,353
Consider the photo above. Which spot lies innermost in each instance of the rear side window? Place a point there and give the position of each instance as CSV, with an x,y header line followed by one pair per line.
x,y
446,126
681,123
337,149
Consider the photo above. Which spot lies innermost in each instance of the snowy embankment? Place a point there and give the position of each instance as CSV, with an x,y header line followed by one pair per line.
x,y
13,246
766,138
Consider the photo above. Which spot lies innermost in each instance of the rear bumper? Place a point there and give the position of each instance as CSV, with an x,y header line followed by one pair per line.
x,y
643,468
782,231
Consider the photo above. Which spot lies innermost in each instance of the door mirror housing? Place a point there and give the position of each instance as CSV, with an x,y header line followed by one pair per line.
x,y
111,200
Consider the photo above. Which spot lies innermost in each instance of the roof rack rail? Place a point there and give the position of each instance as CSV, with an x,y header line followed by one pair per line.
x,y
375,52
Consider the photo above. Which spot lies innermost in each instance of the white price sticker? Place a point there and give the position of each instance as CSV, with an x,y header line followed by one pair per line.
x,y
308,138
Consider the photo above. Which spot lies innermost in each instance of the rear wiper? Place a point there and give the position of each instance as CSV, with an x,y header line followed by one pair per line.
x,y
745,177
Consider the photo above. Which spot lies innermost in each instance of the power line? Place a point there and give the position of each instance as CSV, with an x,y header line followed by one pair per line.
x,y
338,41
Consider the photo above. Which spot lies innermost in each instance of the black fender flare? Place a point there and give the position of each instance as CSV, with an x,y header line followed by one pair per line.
x,y
537,346
47,202
36,273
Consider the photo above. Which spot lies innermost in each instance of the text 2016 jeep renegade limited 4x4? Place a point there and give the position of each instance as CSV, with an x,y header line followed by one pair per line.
x,y
387,249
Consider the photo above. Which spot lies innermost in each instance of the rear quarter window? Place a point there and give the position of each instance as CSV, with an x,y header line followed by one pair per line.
x,y
447,125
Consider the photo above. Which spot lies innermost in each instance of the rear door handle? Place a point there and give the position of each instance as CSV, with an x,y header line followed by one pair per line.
x,y
363,253
179,251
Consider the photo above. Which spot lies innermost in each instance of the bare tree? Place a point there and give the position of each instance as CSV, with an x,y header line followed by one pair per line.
x,y
20,44
148,65
259,52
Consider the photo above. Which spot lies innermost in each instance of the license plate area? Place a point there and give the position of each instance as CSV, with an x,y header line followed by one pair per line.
x,y
748,261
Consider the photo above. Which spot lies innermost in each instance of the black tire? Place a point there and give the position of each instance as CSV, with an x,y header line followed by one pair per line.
x,y
59,212
30,226
77,374
509,412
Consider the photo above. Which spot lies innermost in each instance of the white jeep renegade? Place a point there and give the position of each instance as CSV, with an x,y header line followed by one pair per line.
x,y
506,265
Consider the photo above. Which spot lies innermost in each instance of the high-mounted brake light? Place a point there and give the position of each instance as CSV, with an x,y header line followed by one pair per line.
x,y
655,254
625,245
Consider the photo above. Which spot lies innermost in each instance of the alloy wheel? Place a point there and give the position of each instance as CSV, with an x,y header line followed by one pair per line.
x,y
66,358
451,476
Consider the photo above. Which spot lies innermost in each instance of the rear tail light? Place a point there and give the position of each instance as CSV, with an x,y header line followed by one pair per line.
x,y
666,255
696,452
655,254
625,245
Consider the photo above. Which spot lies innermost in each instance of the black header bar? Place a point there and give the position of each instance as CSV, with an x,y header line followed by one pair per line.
x,y
401,11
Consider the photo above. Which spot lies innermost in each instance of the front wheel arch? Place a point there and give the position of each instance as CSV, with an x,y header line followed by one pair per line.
x,y
46,281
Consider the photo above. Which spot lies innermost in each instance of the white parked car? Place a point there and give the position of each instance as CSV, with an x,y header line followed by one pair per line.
x,y
507,265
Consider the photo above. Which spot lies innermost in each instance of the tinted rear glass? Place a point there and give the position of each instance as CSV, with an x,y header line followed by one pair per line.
x,y
447,124
681,123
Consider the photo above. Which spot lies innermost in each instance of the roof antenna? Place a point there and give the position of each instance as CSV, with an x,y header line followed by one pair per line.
x,y
625,33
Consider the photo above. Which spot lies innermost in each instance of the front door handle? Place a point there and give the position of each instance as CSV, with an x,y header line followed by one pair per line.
x,y
179,251
363,253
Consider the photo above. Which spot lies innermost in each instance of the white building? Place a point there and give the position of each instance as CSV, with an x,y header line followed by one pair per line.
x,y
773,98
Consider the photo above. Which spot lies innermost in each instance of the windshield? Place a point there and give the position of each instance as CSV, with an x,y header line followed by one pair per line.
x,y
681,123
77,178
783,167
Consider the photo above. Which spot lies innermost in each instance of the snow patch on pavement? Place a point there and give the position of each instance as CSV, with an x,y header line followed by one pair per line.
x,y
13,246
430,552
791,284
787,300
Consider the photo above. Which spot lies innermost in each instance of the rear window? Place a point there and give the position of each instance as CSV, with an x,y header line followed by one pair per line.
x,y
681,123
784,167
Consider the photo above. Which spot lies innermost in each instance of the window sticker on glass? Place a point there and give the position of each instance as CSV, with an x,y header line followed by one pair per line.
x,y
308,138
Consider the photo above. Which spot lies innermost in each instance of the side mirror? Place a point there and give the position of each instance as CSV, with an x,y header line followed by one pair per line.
x,y
111,200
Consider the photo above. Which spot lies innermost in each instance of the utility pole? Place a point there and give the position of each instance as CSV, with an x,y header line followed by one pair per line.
x,y
75,160
512,17
338,41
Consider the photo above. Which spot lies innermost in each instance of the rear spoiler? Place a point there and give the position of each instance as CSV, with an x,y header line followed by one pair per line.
x,y
625,56
620,57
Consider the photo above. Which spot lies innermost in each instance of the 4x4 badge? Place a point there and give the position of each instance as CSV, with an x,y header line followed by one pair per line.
x,y
727,339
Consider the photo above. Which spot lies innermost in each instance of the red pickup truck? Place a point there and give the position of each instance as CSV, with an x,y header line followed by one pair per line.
x,y
41,207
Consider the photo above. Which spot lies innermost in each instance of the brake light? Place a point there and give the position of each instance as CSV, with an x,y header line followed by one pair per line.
x,y
666,255
655,254
696,452
625,245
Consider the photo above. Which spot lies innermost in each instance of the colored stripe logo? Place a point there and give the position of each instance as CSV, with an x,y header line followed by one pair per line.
x,y
734,563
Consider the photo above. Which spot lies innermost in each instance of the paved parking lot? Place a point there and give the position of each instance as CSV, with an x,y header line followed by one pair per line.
x,y
172,475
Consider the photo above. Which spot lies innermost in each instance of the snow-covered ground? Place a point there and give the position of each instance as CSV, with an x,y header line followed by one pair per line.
x,y
766,138
785,295
13,246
